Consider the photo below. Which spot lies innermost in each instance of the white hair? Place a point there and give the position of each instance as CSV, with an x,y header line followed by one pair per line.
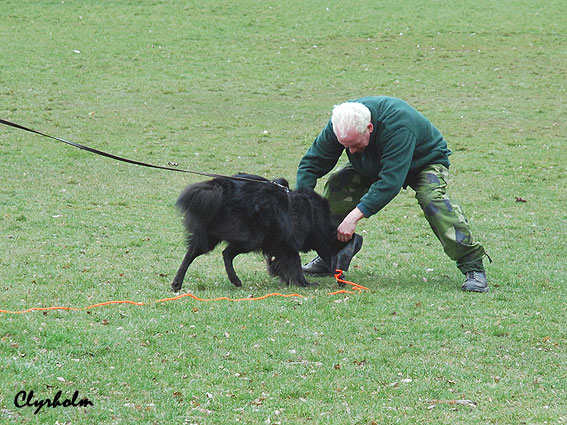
x,y
350,116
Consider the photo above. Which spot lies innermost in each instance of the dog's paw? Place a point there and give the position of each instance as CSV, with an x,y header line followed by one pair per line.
x,y
176,286
236,282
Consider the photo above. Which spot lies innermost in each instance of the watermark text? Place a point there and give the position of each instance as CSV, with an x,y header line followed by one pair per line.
x,y
28,399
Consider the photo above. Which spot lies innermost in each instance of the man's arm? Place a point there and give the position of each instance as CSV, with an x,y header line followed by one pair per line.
x,y
396,161
319,159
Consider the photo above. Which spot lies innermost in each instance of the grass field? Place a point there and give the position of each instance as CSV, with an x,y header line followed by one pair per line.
x,y
223,87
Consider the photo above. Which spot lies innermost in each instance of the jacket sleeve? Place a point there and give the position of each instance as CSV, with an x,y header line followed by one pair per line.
x,y
319,159
395,161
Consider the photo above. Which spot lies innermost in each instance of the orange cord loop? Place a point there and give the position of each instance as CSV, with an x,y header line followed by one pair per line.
x,y
356,286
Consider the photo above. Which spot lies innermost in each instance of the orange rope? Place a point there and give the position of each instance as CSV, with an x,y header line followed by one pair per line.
x,y
70,308
338,277
273,294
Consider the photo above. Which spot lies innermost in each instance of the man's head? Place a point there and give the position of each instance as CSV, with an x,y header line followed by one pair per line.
x,y
352,126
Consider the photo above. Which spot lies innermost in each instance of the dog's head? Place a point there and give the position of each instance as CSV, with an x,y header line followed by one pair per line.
x,y
317,231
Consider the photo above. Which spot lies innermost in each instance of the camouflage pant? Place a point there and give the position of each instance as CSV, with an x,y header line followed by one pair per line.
x,y
345,187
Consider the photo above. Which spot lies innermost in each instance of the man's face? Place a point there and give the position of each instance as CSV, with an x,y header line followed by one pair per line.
x,y
356,142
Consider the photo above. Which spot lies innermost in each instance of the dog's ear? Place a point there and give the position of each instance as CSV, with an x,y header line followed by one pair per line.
x,y
281,181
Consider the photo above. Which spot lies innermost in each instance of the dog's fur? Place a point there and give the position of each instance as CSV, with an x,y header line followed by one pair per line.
x,y
256,216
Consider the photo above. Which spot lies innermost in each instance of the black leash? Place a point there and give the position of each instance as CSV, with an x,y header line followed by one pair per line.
x,y
131,161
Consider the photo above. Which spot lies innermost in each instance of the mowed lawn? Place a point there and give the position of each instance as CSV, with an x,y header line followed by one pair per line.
x,y
224,87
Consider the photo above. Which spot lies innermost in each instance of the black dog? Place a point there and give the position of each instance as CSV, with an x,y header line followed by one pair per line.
x,y
252,213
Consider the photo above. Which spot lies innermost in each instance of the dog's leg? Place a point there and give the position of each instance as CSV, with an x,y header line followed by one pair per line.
x,y
199,244
297,275
288,267
228,255
235,248
180,275
271,265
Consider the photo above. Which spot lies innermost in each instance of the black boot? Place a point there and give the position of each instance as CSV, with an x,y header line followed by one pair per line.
x,y
476,282
318,267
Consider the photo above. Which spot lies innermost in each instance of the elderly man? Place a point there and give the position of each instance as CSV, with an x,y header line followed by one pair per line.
x,y
389,145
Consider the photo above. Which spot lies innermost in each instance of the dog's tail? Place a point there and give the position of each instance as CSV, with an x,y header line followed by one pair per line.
x,y
200,202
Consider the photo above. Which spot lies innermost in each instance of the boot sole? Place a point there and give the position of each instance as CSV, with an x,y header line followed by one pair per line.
x,y
485,289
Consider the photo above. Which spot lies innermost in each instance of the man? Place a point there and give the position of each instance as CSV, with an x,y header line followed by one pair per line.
x,y
389,145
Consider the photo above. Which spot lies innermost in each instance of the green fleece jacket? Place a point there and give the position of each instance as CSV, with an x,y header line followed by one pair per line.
x,y
402,143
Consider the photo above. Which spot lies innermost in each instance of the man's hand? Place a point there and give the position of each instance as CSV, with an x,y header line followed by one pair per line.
x,y
347,228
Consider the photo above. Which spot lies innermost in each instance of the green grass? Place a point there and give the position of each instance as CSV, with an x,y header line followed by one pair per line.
x,y
236,86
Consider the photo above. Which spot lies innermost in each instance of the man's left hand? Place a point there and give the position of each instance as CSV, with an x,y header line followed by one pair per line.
x,y
347,228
